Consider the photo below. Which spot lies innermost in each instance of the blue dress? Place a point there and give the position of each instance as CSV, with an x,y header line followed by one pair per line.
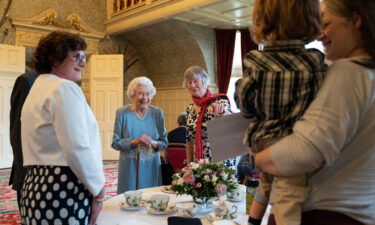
x,y
127,127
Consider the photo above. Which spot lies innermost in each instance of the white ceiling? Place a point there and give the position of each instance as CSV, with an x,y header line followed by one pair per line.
x,y
222,14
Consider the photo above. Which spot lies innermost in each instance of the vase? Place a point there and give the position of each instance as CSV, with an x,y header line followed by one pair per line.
x,y
202,202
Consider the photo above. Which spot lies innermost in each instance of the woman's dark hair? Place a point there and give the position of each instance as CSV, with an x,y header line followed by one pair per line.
x,y
53,49
365,10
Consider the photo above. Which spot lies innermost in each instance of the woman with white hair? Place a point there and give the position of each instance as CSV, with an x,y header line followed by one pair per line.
x,y
139,126
205,106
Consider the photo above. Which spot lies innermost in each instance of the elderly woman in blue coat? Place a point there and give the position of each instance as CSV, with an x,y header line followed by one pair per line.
x,y
139,127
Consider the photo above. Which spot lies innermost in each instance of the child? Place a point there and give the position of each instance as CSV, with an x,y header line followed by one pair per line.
x,y
279,83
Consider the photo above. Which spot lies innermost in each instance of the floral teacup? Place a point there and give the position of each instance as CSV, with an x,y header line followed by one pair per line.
x,y
159,202
133,198
186,209
224,209
237,194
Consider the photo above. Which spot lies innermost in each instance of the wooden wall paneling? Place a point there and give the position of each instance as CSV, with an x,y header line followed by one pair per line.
x,y
12,64
172,101
106,96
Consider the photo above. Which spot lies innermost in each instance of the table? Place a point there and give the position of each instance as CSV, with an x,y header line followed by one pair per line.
x,y
112,214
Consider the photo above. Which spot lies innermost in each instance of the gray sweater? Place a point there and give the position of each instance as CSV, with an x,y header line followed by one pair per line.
x,y
335,140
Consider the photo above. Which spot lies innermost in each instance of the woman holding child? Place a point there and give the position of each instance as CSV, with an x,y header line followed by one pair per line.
x,y
279,83
334,140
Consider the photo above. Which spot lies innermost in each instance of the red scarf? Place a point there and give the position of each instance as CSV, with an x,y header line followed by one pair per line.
x,y
203,103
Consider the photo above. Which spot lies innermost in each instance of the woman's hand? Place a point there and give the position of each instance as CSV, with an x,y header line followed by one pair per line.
x,y
217,108
143,140
96,207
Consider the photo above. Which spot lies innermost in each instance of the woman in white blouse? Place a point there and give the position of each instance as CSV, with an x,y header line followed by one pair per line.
x,y
60,138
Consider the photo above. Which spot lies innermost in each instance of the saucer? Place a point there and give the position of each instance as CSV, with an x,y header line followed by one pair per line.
x,y
169,209
242,198
125,206
212,217
235,200
167,190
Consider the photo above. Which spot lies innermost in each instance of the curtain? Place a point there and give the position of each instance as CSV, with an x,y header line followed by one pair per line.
x,y
225,40
246,44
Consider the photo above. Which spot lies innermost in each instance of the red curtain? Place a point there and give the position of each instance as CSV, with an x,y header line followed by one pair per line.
x,y
225,40
246,44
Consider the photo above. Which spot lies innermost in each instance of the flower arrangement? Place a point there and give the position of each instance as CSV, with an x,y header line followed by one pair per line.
x,y
204,180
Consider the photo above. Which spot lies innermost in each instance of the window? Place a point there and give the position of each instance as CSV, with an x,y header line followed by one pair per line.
x,y
316,44
236,71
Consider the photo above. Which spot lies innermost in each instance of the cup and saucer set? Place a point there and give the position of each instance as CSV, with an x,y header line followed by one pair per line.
x,y
158,204
133,201
237,195
223,210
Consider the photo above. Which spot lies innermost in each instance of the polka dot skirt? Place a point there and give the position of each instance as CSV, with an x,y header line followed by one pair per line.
x,y
54,195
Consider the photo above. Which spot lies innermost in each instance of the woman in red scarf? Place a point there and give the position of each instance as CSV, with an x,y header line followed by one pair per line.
x,y
205,106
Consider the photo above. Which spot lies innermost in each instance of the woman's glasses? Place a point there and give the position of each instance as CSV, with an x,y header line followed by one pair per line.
x,y
80,58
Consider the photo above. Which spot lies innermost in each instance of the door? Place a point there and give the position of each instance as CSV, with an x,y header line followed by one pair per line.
x,y
12,64
105,90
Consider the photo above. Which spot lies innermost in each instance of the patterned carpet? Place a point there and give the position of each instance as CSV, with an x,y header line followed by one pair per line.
x,y
8,201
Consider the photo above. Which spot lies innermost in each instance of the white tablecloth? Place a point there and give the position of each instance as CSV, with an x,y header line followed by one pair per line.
x,y
112,214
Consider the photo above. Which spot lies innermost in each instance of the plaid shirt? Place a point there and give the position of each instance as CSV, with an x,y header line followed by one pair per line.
x,y
278,85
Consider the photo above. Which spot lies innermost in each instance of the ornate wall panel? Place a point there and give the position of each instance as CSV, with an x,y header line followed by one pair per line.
x,y
30,30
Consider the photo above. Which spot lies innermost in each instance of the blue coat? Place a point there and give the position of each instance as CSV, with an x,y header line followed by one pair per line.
x,y
127,127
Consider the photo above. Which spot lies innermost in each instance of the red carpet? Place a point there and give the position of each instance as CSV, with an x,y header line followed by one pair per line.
x,y
8,201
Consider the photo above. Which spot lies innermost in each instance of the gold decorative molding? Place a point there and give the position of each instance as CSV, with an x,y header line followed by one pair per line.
x,y
30,30
145,13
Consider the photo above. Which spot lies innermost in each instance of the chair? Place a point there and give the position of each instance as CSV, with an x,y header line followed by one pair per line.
x,y
176,157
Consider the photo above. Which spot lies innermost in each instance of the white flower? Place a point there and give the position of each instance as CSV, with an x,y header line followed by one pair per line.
x,y
214,179
207,171
206,178
180,181
195,166
224,175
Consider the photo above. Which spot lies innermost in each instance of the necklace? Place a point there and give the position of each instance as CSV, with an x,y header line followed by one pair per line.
x,y
139,113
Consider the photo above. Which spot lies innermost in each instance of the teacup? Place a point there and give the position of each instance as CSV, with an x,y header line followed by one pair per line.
x,y
159,202
224,209
237,194
187,209
133,198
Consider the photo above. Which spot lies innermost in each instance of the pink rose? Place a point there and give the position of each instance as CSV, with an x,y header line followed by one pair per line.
x,y
221,188
199,185
188,178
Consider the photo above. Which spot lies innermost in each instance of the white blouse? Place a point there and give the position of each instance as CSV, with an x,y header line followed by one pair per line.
x,y
58,128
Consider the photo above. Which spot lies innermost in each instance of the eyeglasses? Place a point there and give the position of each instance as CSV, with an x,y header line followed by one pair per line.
x,y
80,58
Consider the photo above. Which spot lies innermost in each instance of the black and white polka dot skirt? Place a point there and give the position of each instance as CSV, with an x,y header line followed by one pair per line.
x,y
54,195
